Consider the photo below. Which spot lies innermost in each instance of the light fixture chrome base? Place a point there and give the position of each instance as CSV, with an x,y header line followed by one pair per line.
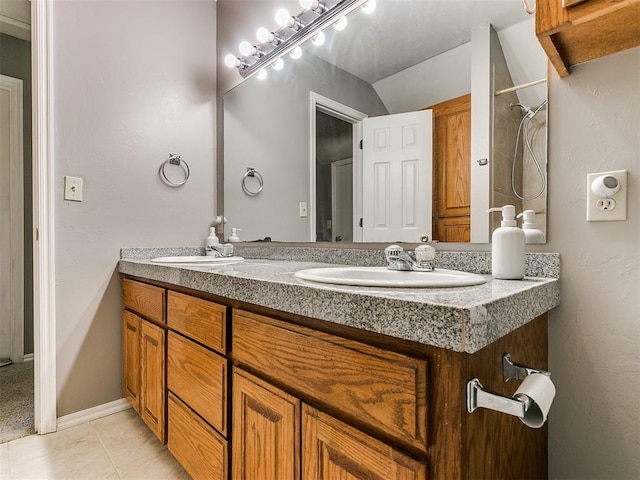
x,y
248,68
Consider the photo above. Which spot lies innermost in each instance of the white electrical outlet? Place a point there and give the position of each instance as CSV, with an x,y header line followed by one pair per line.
x,y
303,209
607,208
73,188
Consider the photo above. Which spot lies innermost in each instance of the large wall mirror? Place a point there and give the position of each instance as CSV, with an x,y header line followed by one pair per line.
x,y
449,98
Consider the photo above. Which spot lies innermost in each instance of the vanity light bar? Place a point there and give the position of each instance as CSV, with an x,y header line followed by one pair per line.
x,y
288,38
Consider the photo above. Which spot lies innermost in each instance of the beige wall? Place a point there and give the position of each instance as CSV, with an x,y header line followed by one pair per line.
x,y
594,336
133,82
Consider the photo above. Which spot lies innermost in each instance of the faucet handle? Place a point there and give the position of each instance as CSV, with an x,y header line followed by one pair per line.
x,y
392,252
425,254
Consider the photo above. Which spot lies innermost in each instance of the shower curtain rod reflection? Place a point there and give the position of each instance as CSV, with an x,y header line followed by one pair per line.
x,y
518,87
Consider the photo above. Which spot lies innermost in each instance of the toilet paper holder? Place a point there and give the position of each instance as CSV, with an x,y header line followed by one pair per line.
x,y
516,406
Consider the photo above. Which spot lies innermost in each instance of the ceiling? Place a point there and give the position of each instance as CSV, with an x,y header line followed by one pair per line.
x,y
15,18
402,33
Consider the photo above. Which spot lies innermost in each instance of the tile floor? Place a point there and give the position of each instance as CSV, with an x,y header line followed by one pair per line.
x,y
117,446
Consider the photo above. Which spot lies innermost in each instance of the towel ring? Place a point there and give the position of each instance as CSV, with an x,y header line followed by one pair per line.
x,y
174,159
253,173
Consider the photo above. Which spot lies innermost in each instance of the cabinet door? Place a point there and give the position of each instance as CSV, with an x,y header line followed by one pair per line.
x,y
152,377
266,427
131,359
332,450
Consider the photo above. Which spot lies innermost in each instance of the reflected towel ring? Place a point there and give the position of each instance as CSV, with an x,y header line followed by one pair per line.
x,y
253,173
174,159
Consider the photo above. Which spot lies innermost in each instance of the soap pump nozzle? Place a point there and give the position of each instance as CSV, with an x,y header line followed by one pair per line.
x,y
508,215
532,233
528,219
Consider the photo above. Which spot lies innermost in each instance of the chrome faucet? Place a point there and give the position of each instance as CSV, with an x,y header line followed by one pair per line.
x,y
421,261
224,250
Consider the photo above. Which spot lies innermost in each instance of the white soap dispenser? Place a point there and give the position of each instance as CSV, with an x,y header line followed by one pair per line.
x,y
234,235
532,235
507,246
212,242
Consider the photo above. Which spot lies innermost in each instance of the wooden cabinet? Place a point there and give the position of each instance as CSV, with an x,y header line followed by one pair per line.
x,y
201,450
383,409
334,450
266,430
452,170
197,381
203,321
152,368
131,358
145,300
198,376
384,390
316,401
574,31
144,353
277,437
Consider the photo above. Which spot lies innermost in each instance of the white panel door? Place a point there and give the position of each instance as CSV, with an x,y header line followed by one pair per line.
x,y
397,177
11,221
342,200
5,227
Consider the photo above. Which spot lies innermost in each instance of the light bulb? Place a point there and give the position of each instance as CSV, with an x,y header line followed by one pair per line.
x,y
369,7
278,64
296,53
282,17
245,48
262,74
230,60
318,40
341,24
263,35
306,3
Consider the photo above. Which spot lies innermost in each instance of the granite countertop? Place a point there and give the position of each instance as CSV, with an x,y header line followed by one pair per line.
x,y
463,319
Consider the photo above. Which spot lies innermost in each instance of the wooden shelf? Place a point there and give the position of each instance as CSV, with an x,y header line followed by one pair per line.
x,y
586,30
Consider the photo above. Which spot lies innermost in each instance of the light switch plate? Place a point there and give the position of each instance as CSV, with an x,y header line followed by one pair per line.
x,y
73,188
303,209
613,208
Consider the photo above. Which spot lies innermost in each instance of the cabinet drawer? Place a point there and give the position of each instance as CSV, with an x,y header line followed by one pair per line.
x,y
199,377
199,319
144,299
384,390
201,451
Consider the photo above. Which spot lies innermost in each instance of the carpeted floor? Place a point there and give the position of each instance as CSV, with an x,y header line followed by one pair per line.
x,y
16,401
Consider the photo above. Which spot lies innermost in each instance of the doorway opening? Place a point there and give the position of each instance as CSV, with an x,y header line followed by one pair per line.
x,y
335,171
334,179
16,251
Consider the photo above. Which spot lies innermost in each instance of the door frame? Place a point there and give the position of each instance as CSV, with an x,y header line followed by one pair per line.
x,y
44,308
325,105
16,215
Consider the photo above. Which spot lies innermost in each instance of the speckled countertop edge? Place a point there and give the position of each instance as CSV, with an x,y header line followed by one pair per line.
x,y
460,319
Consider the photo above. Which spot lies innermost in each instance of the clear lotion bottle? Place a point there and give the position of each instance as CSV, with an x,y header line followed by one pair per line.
x,y
507,247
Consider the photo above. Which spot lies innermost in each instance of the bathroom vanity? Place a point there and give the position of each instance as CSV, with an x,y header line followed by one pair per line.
x,y
247,372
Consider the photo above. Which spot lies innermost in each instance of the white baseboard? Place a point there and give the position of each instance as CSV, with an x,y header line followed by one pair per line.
x,y
93,413
28,357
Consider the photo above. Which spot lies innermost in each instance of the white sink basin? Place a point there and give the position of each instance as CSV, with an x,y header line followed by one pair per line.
x,y
383,277
197,260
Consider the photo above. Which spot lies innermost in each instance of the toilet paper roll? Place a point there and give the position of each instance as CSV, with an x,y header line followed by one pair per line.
x,y
537,391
